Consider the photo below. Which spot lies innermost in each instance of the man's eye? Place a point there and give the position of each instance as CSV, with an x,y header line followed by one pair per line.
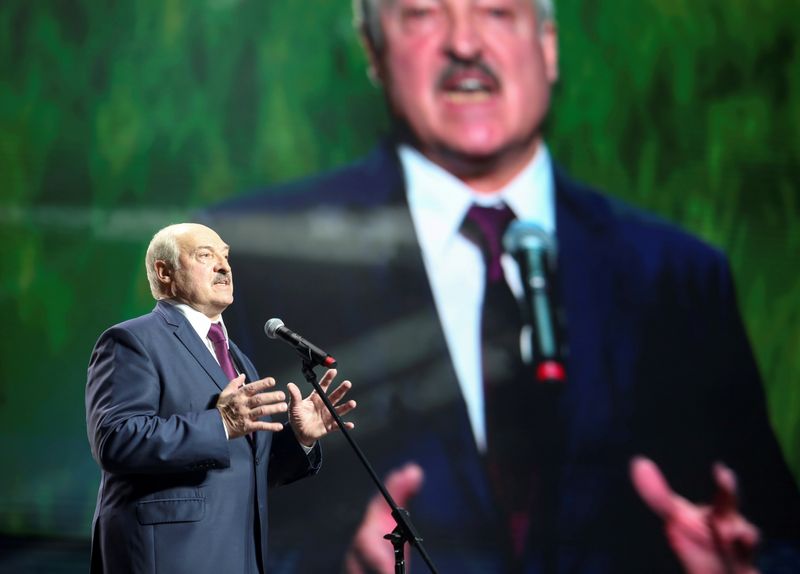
x,y
417,13
499,13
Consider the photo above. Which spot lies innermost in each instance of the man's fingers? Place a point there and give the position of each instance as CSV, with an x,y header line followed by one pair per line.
x,y
264,426
266,398
405,482
652,487
342,410
340,392
234,384
402,484
258,386
725,497
294,393
744,541
345,408
734,534
369,553
327,379
267,410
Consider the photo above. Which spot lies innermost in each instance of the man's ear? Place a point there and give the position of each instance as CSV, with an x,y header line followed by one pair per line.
x,y
548,37
374,71
164,273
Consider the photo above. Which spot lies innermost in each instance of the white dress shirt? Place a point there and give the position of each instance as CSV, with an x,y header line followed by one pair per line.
x,y
438,202
201,324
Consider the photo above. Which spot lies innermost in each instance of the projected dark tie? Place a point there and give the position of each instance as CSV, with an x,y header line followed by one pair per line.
x,y
506,381
217,336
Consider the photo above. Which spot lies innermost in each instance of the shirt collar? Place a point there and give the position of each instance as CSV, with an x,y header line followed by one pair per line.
x,y
199,321
439,201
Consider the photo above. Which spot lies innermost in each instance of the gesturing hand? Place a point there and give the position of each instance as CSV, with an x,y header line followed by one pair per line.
x,y
707,539
242,405
309,417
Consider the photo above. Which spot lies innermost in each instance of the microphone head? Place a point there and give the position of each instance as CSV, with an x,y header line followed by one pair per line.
x,y
524,236
272,326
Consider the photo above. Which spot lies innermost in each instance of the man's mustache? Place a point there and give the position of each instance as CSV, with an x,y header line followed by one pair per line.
x,y
459,67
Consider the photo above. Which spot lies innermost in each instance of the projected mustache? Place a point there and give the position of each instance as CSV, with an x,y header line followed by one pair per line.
x,y
221,278
448,78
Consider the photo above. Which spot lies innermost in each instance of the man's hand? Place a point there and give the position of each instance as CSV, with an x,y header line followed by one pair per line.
x,y
707,539
242,405
309,417
370,553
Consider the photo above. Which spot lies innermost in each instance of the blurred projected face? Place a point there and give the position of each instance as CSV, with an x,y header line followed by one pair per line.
x,y
203,279
470,79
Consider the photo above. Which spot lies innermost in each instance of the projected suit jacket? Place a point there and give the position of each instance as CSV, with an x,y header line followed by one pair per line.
x,y
659,364
175,495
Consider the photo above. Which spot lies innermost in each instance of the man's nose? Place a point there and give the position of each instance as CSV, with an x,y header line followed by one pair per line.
x,y
464,40
222,265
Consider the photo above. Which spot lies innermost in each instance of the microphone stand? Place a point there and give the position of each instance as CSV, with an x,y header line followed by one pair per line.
x,y
404,531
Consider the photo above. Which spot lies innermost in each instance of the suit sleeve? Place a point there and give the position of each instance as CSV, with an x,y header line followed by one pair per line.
x,y
288,461
769,494
126,433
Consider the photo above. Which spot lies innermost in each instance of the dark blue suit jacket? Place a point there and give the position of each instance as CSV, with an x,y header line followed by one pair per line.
x,y
175,494
659,364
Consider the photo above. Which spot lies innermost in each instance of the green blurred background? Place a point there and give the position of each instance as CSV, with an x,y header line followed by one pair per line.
x,y
117,118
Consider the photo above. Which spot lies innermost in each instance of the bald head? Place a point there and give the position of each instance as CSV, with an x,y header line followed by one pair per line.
x,y
163,247
188,262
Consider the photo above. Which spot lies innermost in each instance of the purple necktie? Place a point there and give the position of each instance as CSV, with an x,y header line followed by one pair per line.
x,y
217,336
501,317
485,226
506,382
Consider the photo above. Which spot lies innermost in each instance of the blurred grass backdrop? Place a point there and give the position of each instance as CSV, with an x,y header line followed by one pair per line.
x,y
119,117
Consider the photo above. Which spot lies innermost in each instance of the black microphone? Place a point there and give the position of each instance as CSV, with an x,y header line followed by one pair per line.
x,y
274,329
542,341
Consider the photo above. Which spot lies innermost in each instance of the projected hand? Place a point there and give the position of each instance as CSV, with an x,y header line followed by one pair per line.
x,y
707,539
370,553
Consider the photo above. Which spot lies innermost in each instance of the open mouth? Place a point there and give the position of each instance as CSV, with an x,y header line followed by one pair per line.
x,y
475,83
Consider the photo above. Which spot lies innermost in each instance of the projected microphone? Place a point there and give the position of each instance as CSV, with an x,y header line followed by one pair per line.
x,y
275,329
542,339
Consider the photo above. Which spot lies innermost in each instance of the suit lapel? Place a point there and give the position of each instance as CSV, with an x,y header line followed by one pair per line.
x,y
191,341
586,281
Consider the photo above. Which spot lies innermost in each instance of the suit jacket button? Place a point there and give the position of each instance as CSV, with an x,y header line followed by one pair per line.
x,y
258,460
